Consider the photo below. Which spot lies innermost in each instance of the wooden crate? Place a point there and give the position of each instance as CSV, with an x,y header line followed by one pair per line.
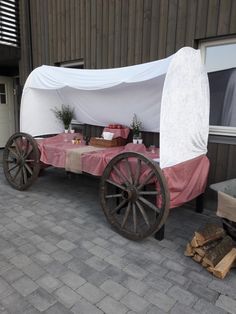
x,y
100,142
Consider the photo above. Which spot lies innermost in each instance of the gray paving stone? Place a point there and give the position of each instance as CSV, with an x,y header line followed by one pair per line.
x,y
181,295
46,247
135,285
25,286
66,245
15,303
12,275
202,279
42,258
41,299
34,271
49,283
91,293
205,307
114,289
182,309
5,289
84,307
61,256
72,280
203,292
20,261
157,282
135,271
111,306
100,251
58,308
28,249
55,268
227,304
134,302
97,263
177,278
67,296
160,299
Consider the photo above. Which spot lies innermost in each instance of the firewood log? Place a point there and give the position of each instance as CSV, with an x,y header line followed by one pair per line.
x,y
201,250
214,256
204,264
189,250
223,267
197,258
194,242
208,233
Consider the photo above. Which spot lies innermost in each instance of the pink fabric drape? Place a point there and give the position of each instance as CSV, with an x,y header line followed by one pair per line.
x,y
185,181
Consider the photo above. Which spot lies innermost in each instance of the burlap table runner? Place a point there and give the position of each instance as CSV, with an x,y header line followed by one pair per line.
x,y
73,157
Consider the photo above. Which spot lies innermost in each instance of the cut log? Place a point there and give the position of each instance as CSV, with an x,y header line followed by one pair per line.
x,y
208,246
223,267
194,242
208,233
189,250
204,264
215,255
197,258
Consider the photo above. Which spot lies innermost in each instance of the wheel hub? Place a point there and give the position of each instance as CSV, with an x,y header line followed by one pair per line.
x,y
131,194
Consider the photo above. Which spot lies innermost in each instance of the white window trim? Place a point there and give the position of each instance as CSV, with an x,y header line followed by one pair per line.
x,y
217,129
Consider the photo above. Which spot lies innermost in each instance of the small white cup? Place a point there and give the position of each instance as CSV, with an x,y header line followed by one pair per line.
x,y
72,131
140,141
135,141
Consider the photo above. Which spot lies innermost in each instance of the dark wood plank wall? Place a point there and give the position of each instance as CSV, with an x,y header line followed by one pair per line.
x,y
113,33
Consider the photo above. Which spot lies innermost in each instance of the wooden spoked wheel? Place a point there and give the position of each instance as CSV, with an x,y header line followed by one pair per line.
x,y
21,161
134,195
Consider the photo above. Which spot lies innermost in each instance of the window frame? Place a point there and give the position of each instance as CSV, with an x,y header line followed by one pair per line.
x,y
203,45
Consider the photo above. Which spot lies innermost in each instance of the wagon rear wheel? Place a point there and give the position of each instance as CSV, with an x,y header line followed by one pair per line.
x,y
21,161
134,195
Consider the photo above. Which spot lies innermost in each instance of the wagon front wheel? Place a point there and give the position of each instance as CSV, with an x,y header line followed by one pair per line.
x,y
21,163
134,195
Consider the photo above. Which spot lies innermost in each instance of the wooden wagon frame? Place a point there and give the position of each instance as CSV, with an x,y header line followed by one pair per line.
x,y
136,192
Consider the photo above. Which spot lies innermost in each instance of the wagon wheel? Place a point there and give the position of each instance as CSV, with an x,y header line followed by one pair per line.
x,y
134,195
21,161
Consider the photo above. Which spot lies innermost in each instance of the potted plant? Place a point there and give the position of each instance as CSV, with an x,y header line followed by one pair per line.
x,y
65,115
136,125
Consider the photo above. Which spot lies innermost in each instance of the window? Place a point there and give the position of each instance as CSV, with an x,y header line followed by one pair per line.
x,y
73,64
220,61
2,94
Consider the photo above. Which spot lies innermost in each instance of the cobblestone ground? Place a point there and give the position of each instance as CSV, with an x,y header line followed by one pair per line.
x,y
58,255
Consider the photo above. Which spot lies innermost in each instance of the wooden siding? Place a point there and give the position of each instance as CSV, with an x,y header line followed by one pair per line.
x,y
113,33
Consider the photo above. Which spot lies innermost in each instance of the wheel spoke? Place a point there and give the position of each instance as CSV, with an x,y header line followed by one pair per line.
x,y
29,169
116,184
29,151
113,195
119,206
128,169
12,151
26,149
149,193
13,167
18,148
137,174
126,215
16,174
148,177
120,174
142,210
149,204
24,175
134,217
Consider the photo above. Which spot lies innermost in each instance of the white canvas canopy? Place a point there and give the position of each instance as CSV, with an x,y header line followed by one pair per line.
x,y
170,96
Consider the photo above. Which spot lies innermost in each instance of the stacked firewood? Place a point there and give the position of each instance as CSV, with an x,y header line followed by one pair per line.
x,y
215,250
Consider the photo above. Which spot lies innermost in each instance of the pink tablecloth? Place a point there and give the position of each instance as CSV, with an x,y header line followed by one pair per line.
x,y
185,181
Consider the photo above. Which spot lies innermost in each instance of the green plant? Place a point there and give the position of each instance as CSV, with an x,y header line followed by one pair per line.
x,y
65,115
136,125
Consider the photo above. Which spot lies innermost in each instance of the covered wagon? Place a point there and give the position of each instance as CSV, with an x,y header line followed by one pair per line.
x,y
138,187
